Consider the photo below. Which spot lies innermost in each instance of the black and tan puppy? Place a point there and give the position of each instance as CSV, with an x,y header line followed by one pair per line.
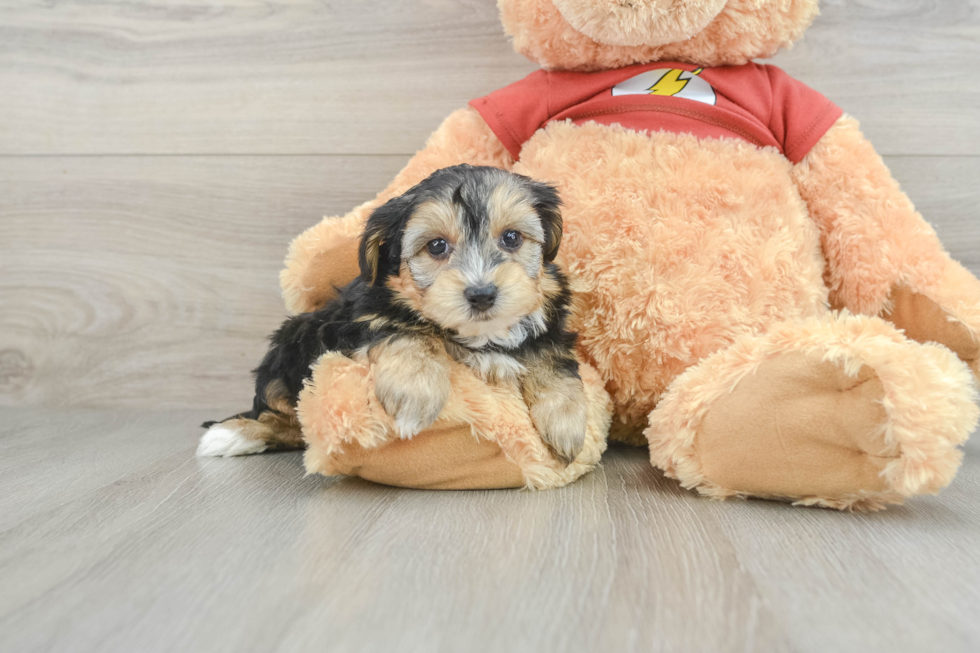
x,y
460,267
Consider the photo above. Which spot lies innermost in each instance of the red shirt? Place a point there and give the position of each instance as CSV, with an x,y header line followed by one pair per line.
x,y
757,103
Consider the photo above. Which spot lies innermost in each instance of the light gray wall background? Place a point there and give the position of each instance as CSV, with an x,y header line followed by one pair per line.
x,y
156,158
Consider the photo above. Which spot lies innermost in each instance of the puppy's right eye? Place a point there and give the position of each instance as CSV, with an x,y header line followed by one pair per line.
x,y
437,248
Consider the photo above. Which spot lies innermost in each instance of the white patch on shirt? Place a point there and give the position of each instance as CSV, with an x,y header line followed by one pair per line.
x,y
669,82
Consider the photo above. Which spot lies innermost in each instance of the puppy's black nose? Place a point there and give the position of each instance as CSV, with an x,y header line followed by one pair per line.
x,y
481,298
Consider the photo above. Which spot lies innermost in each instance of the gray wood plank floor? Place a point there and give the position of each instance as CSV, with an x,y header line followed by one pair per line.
x,y
115,538
155,160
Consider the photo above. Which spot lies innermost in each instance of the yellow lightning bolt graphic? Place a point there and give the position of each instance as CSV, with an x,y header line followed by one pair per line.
x,y
670,84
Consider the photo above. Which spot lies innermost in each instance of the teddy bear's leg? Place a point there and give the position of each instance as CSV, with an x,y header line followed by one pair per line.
x,y
324,257
839,411
883,258
484,437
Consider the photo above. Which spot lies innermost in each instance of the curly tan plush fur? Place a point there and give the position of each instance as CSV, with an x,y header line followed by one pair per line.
x,y
484,437
744,30
883,257
675,247
926,401
706,271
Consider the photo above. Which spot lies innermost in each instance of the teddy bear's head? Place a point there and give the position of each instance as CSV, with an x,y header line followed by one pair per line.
x,y
604,34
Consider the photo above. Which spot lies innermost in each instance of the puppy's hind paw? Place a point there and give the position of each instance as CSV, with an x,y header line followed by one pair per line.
x,y
221,440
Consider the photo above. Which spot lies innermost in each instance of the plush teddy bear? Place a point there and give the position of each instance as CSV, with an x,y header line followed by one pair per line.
x,y
761,301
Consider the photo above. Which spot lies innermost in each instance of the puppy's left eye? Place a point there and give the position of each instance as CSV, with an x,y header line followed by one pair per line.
x,y
437,247
511,239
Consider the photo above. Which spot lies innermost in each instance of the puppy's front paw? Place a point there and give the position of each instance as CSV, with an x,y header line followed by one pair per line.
x,y
413,407
411,381
561,421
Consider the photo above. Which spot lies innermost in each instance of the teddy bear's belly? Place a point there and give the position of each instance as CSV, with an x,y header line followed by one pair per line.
x,y
675,247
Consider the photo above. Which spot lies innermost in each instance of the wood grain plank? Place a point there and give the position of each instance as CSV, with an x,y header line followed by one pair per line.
x,y
895,580
900,67
151,76
153,281
134,281
248,555
945,192
50,458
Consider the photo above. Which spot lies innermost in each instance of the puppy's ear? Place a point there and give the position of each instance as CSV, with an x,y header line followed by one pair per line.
x,y
368,254
379,255
548,205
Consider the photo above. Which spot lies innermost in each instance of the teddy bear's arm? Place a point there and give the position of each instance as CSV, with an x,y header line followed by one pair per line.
x,y
883,258
325,256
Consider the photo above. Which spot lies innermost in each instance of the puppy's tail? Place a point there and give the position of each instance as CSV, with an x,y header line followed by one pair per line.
x,y
210,423
272,422
261,429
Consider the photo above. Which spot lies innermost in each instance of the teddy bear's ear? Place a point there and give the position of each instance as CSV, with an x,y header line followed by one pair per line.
x,y
380,249
548,205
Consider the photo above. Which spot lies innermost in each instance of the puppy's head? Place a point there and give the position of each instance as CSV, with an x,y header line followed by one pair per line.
x,y
467,248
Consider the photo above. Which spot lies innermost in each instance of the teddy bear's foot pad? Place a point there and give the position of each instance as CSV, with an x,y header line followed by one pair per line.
x,y
839,410
797,427
924,320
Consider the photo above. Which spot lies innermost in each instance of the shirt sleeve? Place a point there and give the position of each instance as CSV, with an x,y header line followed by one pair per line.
x,y
515,112
799,116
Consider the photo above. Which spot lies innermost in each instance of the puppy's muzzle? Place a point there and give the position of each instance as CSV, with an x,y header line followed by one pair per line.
x,y
481,298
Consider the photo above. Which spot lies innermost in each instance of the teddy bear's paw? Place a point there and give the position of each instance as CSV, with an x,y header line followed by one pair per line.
x,y
840,411
798,427
925,320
